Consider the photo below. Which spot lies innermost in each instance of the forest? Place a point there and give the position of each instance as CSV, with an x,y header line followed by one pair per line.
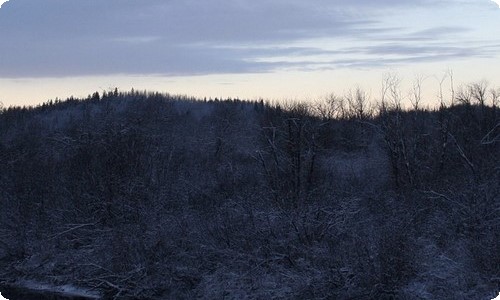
x,y
143,195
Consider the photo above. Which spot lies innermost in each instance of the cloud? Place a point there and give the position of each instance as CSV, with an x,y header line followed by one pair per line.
x,y
374,56
95,37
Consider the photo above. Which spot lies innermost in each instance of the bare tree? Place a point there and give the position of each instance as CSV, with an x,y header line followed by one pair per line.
x,y
332,107
476,92
391,91
452,86
464,95
479,92
440,93
337,106
359,104
416,92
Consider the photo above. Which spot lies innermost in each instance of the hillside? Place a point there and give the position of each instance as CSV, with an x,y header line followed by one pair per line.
x,y
152,196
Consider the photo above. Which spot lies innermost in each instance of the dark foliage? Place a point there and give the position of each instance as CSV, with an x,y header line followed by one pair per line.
x,y
144,196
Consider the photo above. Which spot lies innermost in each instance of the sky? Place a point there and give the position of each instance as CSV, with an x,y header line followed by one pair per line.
x,y
249,49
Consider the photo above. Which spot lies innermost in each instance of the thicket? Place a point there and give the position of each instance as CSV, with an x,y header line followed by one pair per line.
x,y
144,195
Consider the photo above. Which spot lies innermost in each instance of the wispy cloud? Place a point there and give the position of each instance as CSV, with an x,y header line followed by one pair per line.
x,y
95,37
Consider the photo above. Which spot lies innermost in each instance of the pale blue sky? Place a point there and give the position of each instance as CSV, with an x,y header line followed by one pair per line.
x,y
278,49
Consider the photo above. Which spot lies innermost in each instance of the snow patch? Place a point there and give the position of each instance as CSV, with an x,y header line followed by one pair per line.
x,y
66,290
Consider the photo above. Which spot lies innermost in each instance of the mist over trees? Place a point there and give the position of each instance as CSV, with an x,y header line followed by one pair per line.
x,y
151,196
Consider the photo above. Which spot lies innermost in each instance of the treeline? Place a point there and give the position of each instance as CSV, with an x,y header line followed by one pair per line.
x,y
147,195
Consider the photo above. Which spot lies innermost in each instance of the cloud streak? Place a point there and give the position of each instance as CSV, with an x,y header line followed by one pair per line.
x,y
74,37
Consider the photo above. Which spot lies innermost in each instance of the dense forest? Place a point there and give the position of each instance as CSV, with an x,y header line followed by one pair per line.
x,y
140,195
